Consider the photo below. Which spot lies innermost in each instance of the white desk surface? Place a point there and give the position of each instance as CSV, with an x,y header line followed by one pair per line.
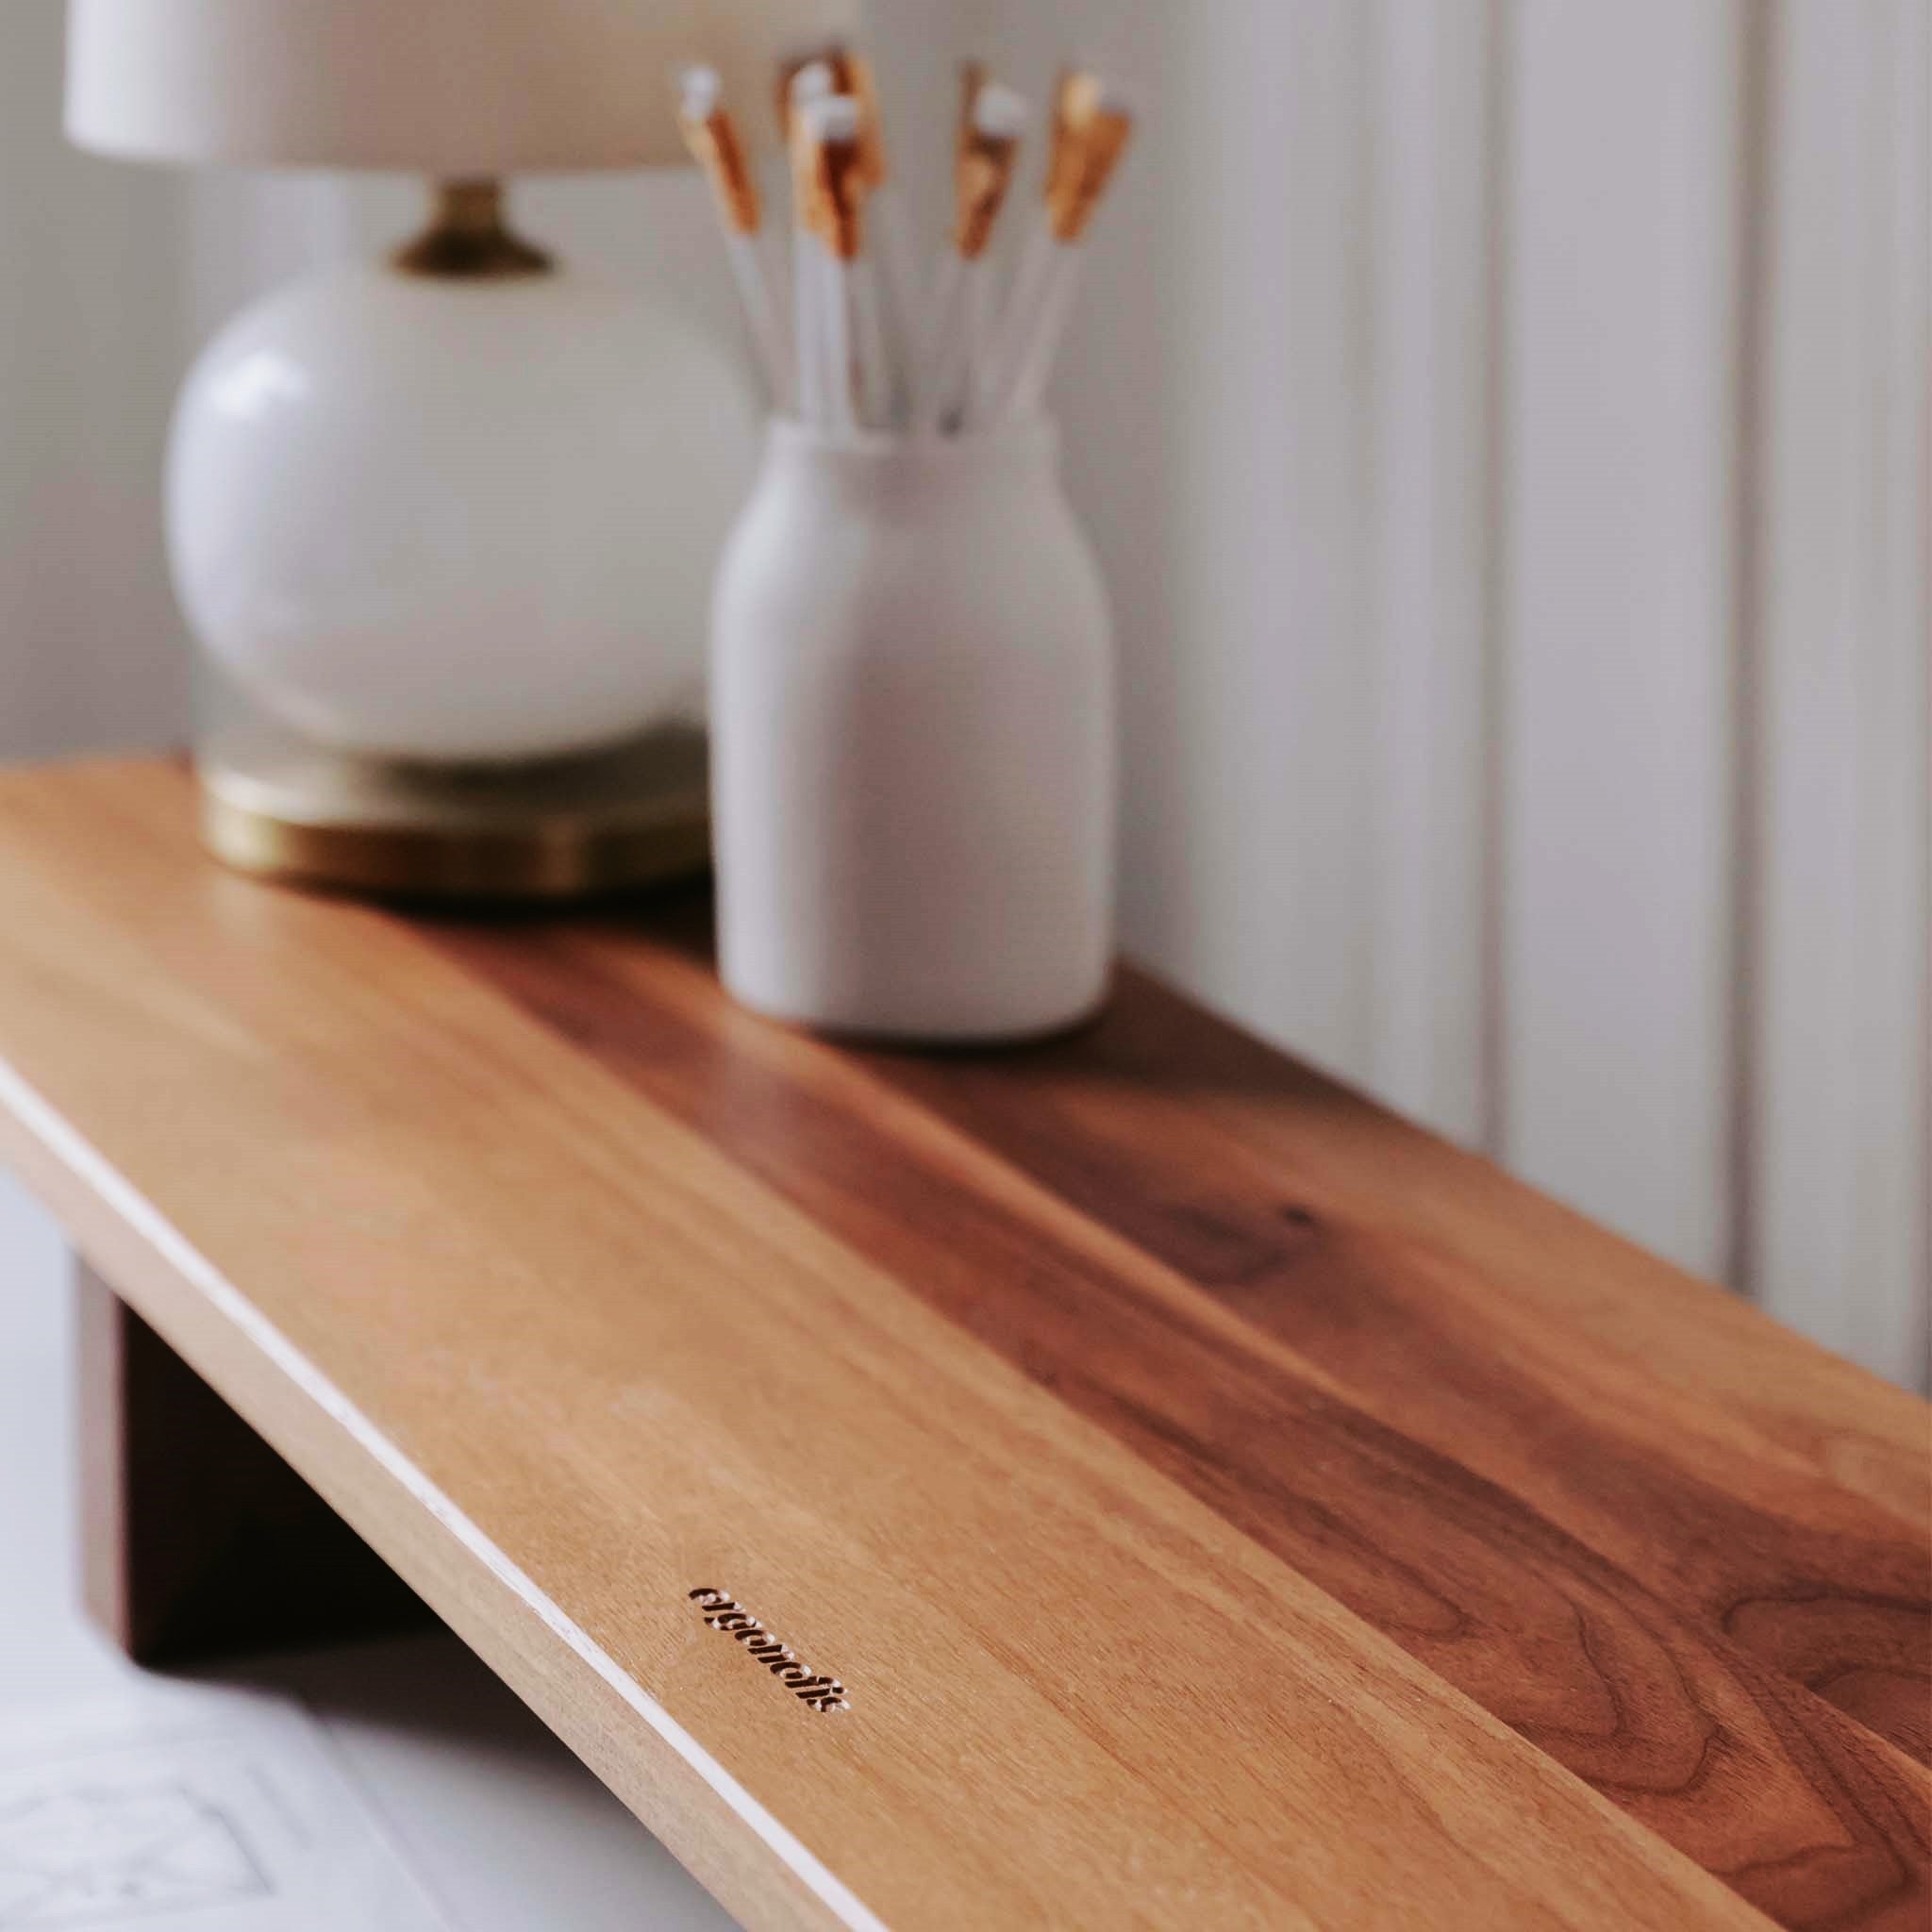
x,y
506,1829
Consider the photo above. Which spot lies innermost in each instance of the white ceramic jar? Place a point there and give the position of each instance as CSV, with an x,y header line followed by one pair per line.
x,y
914,740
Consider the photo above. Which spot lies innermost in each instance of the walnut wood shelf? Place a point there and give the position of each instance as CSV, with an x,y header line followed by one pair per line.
x,y
1221,1504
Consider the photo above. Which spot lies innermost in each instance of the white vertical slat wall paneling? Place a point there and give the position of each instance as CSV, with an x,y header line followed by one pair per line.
x,y
1217,409
1430,526
1752,269
1838,1188
1619,469
90,651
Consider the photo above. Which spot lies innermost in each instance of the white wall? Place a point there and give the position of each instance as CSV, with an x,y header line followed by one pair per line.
x,y
1616,616
90,646
1503,424
1839,702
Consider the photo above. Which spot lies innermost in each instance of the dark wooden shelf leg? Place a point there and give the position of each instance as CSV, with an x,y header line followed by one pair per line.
x,y
198,1541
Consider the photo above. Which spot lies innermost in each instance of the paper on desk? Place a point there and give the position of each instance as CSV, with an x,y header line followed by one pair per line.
x,y
181,1807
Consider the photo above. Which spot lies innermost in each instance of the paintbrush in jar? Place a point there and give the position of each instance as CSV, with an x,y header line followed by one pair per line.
x,y
831,175
884,281
988,147
811,265
712,139
879,294
1076,95
1017,377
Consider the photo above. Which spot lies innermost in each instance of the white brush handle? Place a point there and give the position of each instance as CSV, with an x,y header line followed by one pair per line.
x,y
952,392
1024,391
936,339
979,295
877,388
1013,329
808,311
898,274
763,316
947,339
835,300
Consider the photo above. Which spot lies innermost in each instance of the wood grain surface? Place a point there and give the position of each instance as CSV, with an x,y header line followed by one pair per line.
x,y
1222,1503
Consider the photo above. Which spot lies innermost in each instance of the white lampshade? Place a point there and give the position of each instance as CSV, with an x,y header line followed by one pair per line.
x,y
440,87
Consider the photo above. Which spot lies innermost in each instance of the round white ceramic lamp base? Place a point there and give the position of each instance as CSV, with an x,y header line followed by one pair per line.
x,y
461,522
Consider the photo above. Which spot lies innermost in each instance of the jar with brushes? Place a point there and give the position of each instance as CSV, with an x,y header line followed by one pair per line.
x,y
913,686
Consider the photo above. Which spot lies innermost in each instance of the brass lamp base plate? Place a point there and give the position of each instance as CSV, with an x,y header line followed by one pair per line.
x,y
576,828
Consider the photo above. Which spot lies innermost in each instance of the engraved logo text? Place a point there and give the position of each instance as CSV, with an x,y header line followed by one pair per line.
x,y
721,1613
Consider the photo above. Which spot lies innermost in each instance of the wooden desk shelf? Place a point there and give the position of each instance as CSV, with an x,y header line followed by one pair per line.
x,y
1221,1504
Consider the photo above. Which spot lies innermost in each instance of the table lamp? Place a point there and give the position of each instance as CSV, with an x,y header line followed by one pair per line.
x,y
444,525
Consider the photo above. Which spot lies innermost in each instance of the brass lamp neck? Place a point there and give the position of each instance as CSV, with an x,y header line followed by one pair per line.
x,y
469,239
